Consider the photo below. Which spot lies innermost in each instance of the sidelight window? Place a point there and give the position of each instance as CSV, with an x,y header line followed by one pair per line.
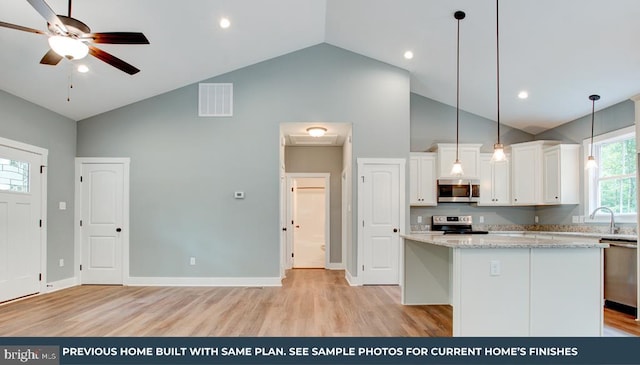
x,y
613,184
14,175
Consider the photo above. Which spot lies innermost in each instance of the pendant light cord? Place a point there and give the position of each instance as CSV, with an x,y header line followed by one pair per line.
x,y
458,90
593,109
498,68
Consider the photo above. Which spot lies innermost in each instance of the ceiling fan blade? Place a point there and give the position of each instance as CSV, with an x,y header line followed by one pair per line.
x,y
20,27
117,38
48,14
51,58
112,60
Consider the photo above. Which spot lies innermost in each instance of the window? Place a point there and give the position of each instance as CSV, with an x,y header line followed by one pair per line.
x,y
613,183
14,175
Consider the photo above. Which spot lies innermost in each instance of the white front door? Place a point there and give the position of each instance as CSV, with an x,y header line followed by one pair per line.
x,y
381,205
103,228
20,223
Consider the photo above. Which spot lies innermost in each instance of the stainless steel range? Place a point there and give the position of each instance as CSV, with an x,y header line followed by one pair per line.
x,y
462,224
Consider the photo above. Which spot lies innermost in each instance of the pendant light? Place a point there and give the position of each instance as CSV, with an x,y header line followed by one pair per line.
x,y
498,148
456,170
591,161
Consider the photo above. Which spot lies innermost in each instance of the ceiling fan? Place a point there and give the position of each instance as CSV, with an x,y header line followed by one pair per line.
x,y
71,38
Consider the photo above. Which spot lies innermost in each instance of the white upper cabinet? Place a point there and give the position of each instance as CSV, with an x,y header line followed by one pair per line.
x,y
494,181
561,174
422,179
468,154
526,173
544,172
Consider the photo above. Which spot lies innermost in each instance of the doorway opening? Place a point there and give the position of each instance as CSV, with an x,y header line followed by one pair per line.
x,y
328,157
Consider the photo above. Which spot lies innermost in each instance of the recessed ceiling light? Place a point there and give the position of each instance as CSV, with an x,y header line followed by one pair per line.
x,y
408,55
523,94
224,23
83,69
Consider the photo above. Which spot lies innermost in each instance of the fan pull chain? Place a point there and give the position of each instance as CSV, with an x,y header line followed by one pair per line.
x,y
70,87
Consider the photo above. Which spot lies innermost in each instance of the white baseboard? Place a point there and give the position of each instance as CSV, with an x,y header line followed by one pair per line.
x,y
352,280
204,281
61,284
335,266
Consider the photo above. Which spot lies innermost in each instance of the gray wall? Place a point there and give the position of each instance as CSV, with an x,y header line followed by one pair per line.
x,y
26,122
618,116
184,169
434,122
326,160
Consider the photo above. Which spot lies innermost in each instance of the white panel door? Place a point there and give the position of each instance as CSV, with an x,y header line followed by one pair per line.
x,y
102,190
20,201
380,189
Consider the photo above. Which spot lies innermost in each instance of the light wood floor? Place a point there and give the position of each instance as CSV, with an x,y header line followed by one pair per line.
x,y
310,303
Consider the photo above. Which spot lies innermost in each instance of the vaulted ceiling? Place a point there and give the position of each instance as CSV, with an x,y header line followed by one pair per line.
x,y
558,51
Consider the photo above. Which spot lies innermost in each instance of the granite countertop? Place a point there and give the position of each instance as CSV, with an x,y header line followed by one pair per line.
x,y
498,241
575,234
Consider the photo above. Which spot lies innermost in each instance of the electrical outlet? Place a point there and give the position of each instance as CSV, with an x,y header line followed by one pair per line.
x,y
192,261
481,219
419,219
495,268
61,263
535,219
575,219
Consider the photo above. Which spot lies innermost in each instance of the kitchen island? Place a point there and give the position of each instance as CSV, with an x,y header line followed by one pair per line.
x,y
507,286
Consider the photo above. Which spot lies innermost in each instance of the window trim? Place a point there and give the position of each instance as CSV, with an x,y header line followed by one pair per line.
x,y
612,136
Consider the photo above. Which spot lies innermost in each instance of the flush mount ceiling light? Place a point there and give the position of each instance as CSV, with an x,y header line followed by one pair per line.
x,y
225,23
523,94
408,55
456,170
498,148
68,47
591,160
316,131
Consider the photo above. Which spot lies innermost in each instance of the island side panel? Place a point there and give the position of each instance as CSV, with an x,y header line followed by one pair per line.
x,y
566,291
490,302
427,271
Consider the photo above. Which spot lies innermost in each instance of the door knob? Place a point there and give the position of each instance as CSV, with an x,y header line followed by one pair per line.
x,y
118,229
395,230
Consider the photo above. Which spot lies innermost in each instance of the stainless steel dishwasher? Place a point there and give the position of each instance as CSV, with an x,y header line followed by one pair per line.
x,y
620,278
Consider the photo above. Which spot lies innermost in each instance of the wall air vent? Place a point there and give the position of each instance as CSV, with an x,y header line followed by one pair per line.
x,y
215,100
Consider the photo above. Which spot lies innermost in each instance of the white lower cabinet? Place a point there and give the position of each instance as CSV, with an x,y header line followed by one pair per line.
x,y
494,182
528,292
422,179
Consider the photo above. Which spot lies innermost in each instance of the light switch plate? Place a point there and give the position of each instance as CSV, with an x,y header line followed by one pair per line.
x,y
62,205
495,269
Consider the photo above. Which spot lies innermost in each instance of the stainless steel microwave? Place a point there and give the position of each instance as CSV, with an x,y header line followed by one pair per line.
x,y
458,190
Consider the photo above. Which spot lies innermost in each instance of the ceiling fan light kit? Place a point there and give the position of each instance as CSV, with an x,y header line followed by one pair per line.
x,y
72,39
70,48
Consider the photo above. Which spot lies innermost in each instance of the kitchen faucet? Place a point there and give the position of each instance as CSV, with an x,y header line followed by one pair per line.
x,y
612,227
